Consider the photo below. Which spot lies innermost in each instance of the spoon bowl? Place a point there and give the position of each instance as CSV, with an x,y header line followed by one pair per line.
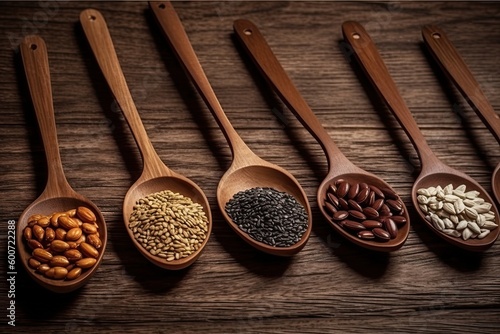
x,y
58,196
456,69
46,205
238,179
156,176
359,177
455,178
247,170
433,171
177,184
339,166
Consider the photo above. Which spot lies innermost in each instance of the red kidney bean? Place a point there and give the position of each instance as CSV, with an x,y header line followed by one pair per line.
x,y
353,226
353,191
381,234
371,224
377,191
340,215
384,210
390,226
363,195
399,220
343,189
357,214
354,205
394,205
366,235
343,204
370,212
330,208
333,199
378,204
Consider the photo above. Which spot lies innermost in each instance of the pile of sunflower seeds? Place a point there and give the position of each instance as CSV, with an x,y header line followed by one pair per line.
x,y
269,216
457,212
169,225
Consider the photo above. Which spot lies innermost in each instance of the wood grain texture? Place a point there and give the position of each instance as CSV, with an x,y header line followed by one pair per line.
x,y
331,285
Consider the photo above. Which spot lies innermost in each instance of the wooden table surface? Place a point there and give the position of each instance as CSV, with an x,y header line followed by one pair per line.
x,y
331,285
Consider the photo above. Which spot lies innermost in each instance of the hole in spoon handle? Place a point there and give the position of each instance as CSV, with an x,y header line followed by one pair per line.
x,y
264,58
372,63
36,65
176,35
454,66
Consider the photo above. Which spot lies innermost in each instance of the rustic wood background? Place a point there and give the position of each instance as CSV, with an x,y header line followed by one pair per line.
x,y
331,285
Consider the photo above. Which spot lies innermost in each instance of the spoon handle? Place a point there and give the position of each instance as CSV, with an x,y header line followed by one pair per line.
x,y
96,30
457,70
376,70
179,41
262,55
36,65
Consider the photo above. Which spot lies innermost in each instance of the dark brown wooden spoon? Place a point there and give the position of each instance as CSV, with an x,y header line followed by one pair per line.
x,y
457,70
433,171
339,166
156,176
247,170
58,196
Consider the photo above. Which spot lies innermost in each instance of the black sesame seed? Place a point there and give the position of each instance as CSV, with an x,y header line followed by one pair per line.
x,y
269,216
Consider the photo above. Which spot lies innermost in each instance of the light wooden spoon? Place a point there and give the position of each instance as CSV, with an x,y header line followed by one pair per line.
x,y
247,170
433,171
457,70
58,196
339,166
156,176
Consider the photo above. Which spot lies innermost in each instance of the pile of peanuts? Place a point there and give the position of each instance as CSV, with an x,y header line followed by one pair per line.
x,y
63,244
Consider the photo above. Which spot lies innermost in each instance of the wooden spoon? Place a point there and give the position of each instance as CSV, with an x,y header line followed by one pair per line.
x,y
339,166
433,171
457,70
247,170
156,176
58,196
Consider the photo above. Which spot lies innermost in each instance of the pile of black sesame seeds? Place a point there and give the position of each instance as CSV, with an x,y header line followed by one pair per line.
x,y
269,216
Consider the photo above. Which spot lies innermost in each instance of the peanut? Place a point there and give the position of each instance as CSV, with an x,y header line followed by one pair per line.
x,y
61,234
44,222
54,219
50,235
59,261
59,246
94,240
67,223
89,228
27,233
85,214
43,268
57,272
34,244
86,262
42,255
88,249
34,263
74,273
73,255
38,232
74,234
